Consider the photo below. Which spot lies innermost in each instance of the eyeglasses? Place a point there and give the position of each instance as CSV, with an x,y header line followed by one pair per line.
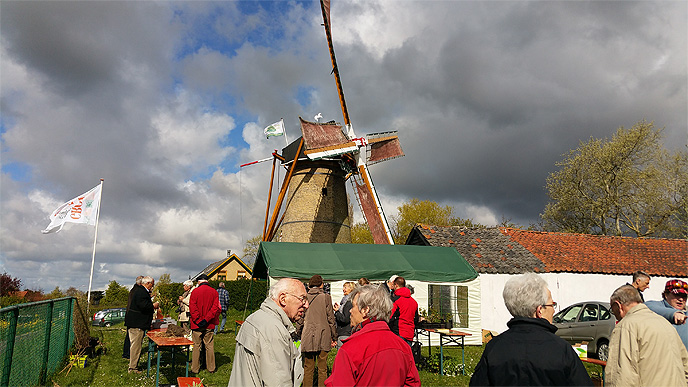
x,y
553,304
303,299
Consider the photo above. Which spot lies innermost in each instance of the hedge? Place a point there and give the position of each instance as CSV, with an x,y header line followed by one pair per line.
x,y
239,297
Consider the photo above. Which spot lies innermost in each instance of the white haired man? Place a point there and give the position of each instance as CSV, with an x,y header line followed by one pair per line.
x,y
138,318
644,349
265,352
529,353
373,355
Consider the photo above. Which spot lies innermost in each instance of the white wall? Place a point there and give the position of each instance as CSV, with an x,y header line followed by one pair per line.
x,y
566,288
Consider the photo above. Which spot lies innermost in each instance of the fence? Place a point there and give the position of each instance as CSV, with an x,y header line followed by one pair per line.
x,y
35,339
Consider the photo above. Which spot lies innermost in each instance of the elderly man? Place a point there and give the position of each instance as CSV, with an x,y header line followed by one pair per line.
x,y
673,307
204,309
641,281
529,353
644,349
138,318
265,352
373,355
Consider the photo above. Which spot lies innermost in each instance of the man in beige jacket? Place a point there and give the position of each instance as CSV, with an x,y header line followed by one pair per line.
x,y
645,349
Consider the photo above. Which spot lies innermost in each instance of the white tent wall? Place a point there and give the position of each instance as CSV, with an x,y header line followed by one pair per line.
x,y
566,288
421,296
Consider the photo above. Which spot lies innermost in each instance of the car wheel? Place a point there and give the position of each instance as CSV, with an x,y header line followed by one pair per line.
x,y
107,324
603,350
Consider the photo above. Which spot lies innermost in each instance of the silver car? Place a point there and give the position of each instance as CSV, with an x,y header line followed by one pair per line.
x,y
590,321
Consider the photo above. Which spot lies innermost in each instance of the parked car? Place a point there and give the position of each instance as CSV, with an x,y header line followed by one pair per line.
x,y
590,321
107,317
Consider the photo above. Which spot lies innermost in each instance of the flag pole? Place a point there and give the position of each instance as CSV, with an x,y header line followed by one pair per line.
x,y
93,256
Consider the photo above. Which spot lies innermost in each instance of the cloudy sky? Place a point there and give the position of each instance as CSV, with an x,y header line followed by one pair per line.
x,y
164,100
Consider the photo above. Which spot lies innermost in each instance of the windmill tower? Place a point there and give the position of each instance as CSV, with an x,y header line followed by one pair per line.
x,y
319,163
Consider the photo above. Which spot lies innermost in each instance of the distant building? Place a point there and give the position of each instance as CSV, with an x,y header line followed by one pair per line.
x,y
577,267
227,269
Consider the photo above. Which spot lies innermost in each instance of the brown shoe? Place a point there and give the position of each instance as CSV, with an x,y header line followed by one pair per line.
x,y
134,371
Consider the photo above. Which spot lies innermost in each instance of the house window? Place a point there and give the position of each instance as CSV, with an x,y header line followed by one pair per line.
x,y
449,301
241,274
222,277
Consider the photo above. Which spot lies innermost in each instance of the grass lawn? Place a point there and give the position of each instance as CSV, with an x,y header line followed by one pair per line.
x,y
110,369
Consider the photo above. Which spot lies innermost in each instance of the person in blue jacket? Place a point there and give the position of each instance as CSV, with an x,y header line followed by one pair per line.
x,y
673,307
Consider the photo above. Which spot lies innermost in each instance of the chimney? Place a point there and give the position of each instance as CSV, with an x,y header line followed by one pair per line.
x,y
229,253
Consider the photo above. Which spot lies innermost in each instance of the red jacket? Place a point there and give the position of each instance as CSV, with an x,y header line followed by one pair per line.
x,y
204,304
374,356
404,315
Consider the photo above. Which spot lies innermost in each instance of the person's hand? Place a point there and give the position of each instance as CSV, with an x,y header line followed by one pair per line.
x,y
679,318
202,324
335,306
156,305
334,344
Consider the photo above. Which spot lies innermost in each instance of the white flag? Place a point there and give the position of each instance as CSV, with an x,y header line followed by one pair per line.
x,y
81,209
276,129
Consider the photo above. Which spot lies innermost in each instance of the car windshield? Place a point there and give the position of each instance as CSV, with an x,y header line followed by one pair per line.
x,y
568,315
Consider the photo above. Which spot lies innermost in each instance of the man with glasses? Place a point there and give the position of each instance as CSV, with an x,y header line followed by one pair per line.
x,y
529,353
265,352
644,349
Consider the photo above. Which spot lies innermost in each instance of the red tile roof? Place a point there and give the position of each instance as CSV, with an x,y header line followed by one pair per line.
x,y
511,251
561,252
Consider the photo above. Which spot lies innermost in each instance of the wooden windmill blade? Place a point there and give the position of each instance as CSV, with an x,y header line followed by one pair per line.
x,y
380,148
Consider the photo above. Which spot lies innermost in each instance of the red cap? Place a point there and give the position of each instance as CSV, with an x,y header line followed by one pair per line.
x,y
676,286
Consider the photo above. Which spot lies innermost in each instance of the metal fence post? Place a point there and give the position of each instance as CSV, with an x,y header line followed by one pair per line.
x,y
46,345
9,350
68,323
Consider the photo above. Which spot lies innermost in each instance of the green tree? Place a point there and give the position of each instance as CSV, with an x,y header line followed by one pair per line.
x,y
629,185
427,212
116,295
250,252
360,233
56,293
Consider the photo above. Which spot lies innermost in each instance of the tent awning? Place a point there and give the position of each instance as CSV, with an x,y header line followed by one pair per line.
x,y
337,261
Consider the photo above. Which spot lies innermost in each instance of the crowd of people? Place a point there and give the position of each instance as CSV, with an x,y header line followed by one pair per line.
x,y
373,328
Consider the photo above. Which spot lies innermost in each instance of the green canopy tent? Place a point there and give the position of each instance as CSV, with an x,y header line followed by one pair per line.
x,y
440,276
336,261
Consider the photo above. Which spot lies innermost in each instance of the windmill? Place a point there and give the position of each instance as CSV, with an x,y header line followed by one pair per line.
x,y
318,164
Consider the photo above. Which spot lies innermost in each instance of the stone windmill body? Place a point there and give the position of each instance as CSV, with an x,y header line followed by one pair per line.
x,y
319,163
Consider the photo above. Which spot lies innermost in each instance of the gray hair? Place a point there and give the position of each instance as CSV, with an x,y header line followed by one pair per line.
x,y
626,295
284,285
640,274
146,280
188,283
523,294
138,280
376,299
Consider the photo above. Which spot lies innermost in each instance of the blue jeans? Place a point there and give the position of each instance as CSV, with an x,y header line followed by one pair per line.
x,y
222,323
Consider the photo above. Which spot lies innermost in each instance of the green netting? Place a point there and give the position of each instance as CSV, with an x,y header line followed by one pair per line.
x,y
35,339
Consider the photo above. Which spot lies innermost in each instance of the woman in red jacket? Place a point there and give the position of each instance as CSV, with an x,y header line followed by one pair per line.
x,y
373,355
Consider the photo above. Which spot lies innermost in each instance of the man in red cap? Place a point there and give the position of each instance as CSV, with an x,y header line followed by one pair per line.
x,y
673,307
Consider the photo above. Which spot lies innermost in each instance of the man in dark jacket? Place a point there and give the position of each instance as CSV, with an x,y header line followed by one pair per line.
x,y
204,308
404,312
138,318
318,332
529,353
